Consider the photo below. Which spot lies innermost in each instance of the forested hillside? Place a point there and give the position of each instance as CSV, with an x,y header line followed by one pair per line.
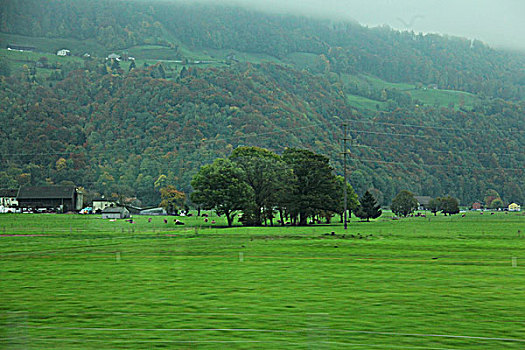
x,y
116,129
449,62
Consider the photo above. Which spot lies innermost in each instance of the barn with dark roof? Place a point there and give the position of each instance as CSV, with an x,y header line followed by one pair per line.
x,y
62,198
8,197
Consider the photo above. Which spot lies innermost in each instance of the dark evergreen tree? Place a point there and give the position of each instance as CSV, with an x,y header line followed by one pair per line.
x,y
368,207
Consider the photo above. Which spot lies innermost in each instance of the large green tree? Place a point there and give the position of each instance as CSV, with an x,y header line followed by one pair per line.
x,y
267,175
434,205
314,184
449,205
368,207
221,186
404,203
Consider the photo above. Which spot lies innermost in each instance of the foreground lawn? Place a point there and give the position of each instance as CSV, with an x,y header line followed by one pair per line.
x,y
79,282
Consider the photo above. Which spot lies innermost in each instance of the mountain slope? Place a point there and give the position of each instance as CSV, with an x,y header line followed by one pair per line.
x,y
114,131
119,133
449,62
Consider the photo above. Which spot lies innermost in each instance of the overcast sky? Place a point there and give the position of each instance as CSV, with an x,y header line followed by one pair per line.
x,y
500,23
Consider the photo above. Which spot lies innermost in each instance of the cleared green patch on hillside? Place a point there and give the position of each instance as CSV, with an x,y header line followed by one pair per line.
x,y
302,60
86,283
427,95
52,45
23,61
363,103
154,52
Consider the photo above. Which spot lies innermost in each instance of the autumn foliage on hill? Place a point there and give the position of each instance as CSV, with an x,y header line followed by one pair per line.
x,y
117,133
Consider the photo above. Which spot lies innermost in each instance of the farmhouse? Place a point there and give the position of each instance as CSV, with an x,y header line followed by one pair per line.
x,y
8,198
476,206
63,52
514,207
62,198
115,213
422,202
100,204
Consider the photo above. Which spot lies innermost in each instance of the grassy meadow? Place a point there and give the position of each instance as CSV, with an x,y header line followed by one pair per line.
x,y
80,282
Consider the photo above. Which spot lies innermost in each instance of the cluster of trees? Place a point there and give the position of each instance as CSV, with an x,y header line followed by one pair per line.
x,y
405,204
298,185
447,205
493,200
449,62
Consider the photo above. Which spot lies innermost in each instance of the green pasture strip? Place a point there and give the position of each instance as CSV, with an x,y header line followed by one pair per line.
x,y
360,102
52,45
447,283
427,96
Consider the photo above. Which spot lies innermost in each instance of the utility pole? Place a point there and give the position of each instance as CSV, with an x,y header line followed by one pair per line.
x,y
345,153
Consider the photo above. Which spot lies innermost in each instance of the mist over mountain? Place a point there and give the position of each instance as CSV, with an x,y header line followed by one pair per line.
x,y
498,23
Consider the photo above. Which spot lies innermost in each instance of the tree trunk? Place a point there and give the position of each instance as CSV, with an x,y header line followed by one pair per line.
x,y
303,219
229,219
258,217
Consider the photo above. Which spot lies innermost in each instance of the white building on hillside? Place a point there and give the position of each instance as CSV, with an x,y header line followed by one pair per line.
x,y
63,52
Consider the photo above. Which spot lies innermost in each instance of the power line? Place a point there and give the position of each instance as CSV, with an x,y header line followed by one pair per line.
x,y
159,156
289,130
438,165
444,152
465,130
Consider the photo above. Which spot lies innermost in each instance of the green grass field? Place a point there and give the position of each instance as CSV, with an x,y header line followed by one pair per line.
x,y
426,96
80,282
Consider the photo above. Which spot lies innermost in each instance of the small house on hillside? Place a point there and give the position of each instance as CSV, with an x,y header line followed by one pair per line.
x,y
63,52
113,56
476,206
8,198
423,202
62,198
514,207
115,213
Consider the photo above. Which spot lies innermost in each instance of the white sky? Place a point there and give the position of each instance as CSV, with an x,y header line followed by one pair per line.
x,y
500,23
